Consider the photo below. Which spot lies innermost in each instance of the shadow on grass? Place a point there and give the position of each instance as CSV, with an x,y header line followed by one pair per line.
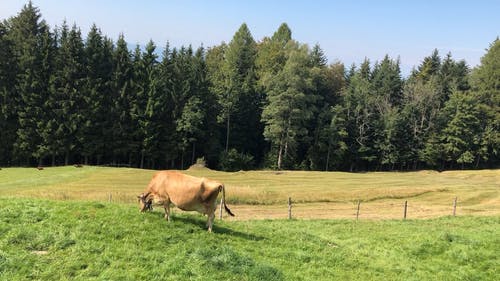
x,y
200,221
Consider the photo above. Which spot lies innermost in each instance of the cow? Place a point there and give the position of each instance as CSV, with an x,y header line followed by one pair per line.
x,y
186,192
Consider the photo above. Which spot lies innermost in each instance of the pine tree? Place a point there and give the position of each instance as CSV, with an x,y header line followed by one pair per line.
x,y
8,100
150,115
327,84
361,117
239,101
461,134
486,83
96,85
67,101
121,87
430,66
195,115
29,37
420,109
387,88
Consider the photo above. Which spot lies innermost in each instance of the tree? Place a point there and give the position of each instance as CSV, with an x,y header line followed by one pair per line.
x,y
271,57
98,69
120,112
239,102
67,102
182,90
150,116
30,38
327,83
461,134
288,107
430,66
486,83
8,101
387,89
333,139
360,118
195,115
420,109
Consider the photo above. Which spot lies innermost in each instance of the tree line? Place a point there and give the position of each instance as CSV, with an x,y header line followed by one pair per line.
x,y
274,103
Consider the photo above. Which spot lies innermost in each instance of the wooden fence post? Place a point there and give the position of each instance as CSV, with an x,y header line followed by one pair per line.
x,y
455,206
406,207
110,197
289,208
357,211
220,208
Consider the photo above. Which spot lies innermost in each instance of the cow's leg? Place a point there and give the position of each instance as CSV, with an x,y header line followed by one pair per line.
x,y
166,205
210,221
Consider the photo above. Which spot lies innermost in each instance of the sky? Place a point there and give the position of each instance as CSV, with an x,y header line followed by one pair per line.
x,y
347,31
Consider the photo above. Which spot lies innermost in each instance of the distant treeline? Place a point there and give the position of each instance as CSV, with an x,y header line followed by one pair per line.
x,y
274,103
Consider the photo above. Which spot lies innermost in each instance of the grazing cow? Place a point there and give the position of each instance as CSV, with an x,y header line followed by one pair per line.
x,y
186,192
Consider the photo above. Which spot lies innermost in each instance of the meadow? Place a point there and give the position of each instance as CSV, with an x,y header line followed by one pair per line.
x,y
62,240
70,223
264,194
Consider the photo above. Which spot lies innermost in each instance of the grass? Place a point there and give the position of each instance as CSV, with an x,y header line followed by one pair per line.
x,y
75,240
263,194
58,224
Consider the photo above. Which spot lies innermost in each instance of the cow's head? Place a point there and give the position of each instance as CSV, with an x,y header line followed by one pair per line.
x,y
145,202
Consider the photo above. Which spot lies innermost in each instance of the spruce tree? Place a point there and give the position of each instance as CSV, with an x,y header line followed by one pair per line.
x,y
239,100
121,92
28,35
67,101
387,88
150,116
486,83
8,100
97,72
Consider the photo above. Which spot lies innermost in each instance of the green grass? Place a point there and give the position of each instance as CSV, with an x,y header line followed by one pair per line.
x,y
75,240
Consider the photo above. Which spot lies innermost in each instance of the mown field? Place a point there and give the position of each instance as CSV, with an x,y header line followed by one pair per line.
x,y
44,239
263,194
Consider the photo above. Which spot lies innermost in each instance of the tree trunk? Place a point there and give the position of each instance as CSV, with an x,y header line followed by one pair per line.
x,y
280,151
193,155
66,158
328,156
142,159
227,131
182,159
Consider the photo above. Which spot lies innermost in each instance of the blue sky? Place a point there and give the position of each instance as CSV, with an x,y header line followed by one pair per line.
x,y
347,31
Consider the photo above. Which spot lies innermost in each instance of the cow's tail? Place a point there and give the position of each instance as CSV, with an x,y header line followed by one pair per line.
x,y
224,200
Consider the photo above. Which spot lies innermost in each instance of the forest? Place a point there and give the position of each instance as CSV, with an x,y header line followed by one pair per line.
x,y
274,103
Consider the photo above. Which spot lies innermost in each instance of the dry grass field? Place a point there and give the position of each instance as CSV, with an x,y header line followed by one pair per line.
x,y
264,194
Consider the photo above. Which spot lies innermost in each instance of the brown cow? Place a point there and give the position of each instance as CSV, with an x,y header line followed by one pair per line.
x,y
186,192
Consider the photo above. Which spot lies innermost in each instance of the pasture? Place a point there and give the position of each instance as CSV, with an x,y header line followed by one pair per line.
x,y
62,240
60,224
264,194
